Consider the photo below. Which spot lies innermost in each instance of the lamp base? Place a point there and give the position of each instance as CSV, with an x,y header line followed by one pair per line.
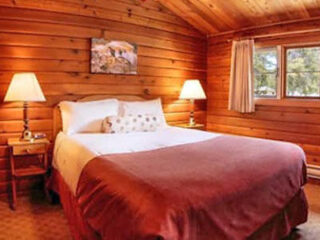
x,y
27,136
192,122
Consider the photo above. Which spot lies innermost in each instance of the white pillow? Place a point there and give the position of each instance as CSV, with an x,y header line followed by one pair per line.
x,y
151,107
86,117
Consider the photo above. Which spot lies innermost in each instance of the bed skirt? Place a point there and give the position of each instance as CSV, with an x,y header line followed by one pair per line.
x,y
278,227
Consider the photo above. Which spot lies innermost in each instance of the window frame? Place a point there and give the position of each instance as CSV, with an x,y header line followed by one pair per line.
x,y
284,71
282,77
278,73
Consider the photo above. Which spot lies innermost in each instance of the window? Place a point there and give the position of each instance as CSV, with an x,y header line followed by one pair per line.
x,y
303,72
287,72
266,72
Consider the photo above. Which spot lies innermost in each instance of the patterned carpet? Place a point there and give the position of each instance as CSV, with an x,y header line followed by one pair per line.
x,y
36,219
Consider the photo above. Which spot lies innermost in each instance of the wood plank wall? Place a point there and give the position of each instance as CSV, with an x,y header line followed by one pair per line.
x,y
293,121
52,39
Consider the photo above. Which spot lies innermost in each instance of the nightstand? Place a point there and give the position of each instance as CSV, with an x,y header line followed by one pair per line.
x,y
187,125
19,148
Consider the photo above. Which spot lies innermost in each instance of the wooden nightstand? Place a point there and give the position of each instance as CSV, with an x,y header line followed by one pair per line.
x,y
18,148
187,125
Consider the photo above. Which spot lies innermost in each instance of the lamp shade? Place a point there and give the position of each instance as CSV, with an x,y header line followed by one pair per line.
x,y
192,89
24,87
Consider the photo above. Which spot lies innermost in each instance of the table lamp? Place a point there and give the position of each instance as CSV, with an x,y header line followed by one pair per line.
x,y
192,90
24,87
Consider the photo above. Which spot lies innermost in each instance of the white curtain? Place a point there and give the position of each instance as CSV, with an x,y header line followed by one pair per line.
x,y
241,93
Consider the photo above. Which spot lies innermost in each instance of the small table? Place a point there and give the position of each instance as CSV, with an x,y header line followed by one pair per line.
x,y
18,147
187,125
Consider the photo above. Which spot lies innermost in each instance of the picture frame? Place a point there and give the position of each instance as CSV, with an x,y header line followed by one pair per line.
x,y
113,57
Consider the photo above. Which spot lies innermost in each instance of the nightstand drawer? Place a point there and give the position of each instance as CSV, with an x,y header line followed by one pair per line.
x,y
29,149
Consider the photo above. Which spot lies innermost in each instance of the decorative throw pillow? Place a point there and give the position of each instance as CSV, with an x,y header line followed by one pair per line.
x,y
149,107
131,123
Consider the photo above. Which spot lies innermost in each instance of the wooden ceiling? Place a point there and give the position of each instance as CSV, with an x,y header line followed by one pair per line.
x,y
216,16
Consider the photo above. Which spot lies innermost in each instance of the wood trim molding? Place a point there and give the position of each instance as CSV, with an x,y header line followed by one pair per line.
x,y
287,102
270,30
314,171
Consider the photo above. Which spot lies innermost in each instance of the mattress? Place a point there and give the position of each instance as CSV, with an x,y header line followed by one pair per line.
x,y
73,152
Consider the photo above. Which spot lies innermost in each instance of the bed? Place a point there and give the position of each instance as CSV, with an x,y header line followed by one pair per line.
x,y
178,184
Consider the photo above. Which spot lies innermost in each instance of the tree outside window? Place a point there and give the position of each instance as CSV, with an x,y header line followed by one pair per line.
x,y
266,72
303,72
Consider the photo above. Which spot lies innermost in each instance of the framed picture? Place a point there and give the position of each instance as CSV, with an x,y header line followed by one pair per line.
x,y
115,57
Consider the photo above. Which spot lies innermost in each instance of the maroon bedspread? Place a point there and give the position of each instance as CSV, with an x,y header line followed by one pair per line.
x,y
224,188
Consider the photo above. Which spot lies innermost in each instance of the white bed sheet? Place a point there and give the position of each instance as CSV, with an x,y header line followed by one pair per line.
x,y
73,152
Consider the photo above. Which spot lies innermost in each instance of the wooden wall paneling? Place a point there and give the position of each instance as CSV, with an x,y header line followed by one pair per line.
x,y
15,26
104,25
112,14
155,12
52,39
294,121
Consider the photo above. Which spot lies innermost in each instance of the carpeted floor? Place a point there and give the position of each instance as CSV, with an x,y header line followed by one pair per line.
x,y
36,219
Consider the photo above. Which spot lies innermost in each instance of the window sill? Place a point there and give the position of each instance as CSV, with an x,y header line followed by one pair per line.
x,y
314,103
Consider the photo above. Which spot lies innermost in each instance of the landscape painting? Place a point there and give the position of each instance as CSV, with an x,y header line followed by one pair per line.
x,y
113,57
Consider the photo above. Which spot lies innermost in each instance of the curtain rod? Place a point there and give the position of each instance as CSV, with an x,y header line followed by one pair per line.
x,y
239,39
